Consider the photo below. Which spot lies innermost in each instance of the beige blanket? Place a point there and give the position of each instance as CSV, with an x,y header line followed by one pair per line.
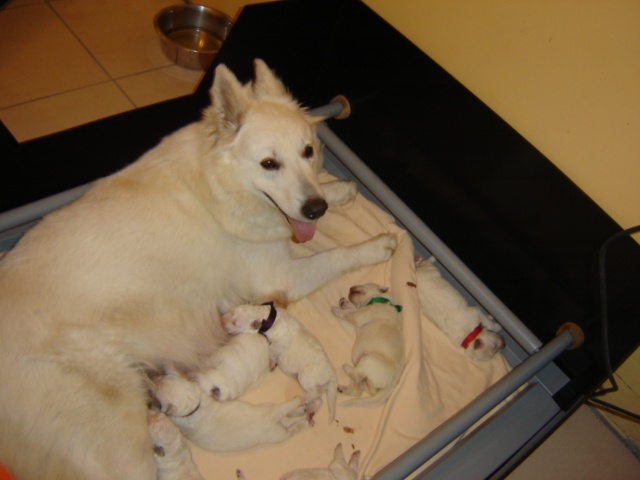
x,y
437,381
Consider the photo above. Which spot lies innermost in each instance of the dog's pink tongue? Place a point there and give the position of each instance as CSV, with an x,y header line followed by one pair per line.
x,y
303,231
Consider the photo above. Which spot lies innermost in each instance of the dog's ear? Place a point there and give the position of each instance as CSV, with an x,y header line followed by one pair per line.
x,y
229,101
265,83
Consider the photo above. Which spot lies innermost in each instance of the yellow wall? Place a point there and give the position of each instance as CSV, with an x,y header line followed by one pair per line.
x,y
564,73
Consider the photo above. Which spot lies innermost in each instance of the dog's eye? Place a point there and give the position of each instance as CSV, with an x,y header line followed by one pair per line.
x,y
270,164
477,344
308,151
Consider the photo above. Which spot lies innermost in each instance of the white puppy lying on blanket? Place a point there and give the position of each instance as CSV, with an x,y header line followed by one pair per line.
x,y
171,450
378,352
225,426
338,469
466,326
234,367
293,348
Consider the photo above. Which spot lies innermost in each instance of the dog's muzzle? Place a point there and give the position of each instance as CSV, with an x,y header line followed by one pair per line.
x,y
314,208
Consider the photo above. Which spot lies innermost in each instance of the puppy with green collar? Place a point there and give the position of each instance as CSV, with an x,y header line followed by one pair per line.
x,y
378,352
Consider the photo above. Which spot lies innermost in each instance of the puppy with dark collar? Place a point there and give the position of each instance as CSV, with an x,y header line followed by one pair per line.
x,y
293,348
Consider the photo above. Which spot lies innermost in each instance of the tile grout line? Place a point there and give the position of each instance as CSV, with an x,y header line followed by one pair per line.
x,y
90,53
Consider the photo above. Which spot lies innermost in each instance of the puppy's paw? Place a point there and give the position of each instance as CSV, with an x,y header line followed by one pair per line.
x,y
240,475
345,304
490,324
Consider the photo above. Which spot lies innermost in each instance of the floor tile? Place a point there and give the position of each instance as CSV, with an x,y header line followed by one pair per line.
x,y
52,114
39,56
582,448
118,33
159,85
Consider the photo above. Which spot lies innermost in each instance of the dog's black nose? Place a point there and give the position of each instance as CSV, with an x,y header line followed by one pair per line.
x,y
314,208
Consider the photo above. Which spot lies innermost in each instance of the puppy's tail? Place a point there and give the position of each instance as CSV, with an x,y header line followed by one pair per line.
x,y
379,398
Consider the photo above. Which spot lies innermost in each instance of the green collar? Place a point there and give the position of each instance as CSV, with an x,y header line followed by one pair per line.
x,y
384,300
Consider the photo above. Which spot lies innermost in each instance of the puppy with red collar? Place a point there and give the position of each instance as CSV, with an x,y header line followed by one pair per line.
x,y
466,326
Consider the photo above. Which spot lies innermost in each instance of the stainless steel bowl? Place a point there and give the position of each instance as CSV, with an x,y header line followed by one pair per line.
x,y
191,35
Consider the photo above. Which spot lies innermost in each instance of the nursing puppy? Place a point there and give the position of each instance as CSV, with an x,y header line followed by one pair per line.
x,y
338,469
134,274
225,426
378,352
293,348
466,326
234,367
171,450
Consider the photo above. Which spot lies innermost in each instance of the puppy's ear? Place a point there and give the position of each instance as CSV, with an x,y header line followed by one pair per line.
x,y
353,461
256,324
338,456
158,450
266,84
229,101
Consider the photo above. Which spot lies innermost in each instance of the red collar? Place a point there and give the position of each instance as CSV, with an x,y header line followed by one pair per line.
x,y
472,336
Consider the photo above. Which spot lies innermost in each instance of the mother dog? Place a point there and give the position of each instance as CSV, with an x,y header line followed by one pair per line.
x,y
135,274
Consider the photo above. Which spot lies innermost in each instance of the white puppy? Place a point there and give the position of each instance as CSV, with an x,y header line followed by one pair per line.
x,y
225,426
338,469
234,367
466,326
293,348
171,450
378,352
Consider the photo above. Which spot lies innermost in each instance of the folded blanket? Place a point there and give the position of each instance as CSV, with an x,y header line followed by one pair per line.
x,y
437,381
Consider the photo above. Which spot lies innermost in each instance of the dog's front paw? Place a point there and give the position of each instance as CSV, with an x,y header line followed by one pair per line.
x,y
382,246
340,192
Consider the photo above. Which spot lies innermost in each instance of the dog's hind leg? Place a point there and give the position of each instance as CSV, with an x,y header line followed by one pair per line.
x,y
72,426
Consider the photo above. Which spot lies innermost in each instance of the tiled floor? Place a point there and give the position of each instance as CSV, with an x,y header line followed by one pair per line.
x,y
67,62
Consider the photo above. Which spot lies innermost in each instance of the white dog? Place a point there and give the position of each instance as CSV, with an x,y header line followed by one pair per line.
x,y
225,426
378,352
338,469
134,274
293,348
234,367
171,449
466,326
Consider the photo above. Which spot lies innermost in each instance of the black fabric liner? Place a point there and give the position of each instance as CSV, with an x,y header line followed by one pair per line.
x,y
522,226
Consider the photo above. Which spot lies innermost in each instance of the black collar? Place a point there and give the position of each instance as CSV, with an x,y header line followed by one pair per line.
x,y
269,321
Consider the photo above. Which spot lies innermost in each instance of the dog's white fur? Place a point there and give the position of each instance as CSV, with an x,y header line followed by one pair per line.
x,y
378,352
225,426
447,308
171,450
294,349
234,367
135,273
338,469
